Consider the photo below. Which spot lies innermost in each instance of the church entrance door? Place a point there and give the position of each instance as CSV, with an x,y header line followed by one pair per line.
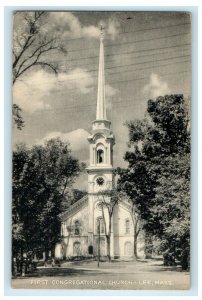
x,y
102,247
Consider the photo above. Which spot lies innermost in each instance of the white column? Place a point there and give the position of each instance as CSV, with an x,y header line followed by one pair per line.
x,y
106,156
94,156
109,155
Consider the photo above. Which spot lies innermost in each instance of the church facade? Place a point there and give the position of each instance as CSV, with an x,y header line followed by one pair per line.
x,y
87,223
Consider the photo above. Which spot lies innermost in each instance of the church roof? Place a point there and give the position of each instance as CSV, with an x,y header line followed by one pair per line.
x,y
125,203
74,208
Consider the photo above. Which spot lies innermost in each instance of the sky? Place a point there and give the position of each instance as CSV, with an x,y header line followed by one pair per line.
x,y
146,55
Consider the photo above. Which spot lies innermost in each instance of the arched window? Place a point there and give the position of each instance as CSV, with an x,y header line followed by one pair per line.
x,y
100,226
100,156
76,227
90,249
76,249
127,226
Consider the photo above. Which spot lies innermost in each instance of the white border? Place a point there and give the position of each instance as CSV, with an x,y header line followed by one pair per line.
x,y
123,4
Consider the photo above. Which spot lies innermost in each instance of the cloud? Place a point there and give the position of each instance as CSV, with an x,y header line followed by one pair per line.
x,y
110,92
78,79
156,87
113,28
67,24
80,149
33,93
30,94
77,139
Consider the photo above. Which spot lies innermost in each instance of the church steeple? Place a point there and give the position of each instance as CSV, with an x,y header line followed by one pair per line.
x,y
101,122
101,139
101,105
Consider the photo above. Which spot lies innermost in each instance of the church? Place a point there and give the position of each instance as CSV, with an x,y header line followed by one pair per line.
x,y
87,225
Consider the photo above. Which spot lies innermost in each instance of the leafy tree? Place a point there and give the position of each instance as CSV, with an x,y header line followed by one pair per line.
x,y
157,178
77,195
17,118
174,192
42,176
72,196
31,44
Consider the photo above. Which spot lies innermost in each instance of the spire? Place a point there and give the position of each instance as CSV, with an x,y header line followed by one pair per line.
x,y
101,105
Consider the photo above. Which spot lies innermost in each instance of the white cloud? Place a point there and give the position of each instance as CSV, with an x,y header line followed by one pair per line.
x,y
156,87
77,139
67,24
32,94
113,28
110,92
80,79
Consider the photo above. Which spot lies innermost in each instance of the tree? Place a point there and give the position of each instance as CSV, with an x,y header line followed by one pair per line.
x,y
160,155
41,178
17,118
174,214
137,225
108,199
31,44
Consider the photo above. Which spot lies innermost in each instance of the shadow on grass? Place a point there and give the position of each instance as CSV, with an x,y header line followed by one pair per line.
x,y
57,272
165,269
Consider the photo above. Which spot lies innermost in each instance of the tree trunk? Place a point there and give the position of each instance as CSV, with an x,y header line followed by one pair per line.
x,y
108,247
148,246
21,250
135,241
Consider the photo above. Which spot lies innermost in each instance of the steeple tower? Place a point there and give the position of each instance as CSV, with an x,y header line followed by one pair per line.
x,y
100,170
101,121
101,139
101,105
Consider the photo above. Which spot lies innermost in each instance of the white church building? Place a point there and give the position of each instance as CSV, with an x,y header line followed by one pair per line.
x,y
85,224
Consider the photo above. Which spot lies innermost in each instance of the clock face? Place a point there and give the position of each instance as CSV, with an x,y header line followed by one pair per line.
x,y
100,181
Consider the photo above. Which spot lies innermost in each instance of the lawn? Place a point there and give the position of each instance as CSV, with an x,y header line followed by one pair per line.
x,y
131,275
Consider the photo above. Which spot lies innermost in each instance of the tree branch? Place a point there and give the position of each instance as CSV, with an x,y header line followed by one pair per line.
x,y
41,51
33,30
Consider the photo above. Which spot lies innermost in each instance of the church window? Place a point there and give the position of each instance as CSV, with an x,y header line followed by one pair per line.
x,y
90,249
100,156
127,226
100,226
77,249
77,228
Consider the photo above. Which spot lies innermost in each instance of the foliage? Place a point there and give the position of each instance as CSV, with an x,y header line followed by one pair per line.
x,y
78,194
72,195
17,118
158,175
41,178
31,44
